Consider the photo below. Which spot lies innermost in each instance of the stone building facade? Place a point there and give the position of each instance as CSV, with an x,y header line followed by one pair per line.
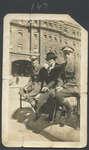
x,y
37,37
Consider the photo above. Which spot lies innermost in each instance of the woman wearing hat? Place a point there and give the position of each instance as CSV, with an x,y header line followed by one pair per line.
x,y
52,76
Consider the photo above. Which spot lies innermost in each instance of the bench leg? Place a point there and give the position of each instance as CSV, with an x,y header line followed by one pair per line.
x,y
20,101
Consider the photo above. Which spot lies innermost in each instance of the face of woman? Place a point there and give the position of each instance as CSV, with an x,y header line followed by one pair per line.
x,y
51,62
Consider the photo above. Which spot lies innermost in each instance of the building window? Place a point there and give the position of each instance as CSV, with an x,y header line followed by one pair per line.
x,y
20,40
80,34
21,67
74,44
45,36
60,27
55,38
20,33
77,33
50,24
78,44
45,23
20,47
50,37
35,50
73,33
35,35
65,42
65,29
60,40
55,25
35,21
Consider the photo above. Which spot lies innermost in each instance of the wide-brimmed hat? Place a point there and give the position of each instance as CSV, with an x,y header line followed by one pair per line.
x,y
50,55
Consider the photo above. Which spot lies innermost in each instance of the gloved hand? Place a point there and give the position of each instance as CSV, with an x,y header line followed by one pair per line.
x,y
52,92
45,89
59,88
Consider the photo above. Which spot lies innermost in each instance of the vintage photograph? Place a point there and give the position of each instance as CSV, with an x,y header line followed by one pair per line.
x,y
44,81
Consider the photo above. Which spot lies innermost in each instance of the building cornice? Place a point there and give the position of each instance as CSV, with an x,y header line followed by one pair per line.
x,y
25,54
19,25
47,29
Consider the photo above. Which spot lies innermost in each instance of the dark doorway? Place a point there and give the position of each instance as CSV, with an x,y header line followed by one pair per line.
x,y
21,68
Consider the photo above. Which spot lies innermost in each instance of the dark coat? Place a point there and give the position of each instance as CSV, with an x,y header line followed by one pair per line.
x,y
53,77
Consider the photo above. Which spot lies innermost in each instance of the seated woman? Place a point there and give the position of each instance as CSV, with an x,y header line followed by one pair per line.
x,y
51,78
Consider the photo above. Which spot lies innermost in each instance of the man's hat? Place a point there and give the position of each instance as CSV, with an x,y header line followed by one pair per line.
x,y
67,49
50,55
33,58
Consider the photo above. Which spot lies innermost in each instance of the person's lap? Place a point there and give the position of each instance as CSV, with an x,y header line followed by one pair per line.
x,y
42,100
58,99
66,92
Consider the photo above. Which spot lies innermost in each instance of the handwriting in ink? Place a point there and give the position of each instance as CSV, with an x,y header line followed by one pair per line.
x,y
36,5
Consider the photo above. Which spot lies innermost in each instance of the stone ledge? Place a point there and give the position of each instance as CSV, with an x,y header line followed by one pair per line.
x,y
64,133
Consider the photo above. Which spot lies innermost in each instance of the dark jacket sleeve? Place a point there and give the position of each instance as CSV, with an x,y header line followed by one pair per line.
x,y
57,75
43,75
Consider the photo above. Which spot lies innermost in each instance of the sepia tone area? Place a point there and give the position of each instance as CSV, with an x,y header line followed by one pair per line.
x,y
44,83
37,38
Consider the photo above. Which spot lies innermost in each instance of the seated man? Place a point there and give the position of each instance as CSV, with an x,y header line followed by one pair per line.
x,y
71,85
33,86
